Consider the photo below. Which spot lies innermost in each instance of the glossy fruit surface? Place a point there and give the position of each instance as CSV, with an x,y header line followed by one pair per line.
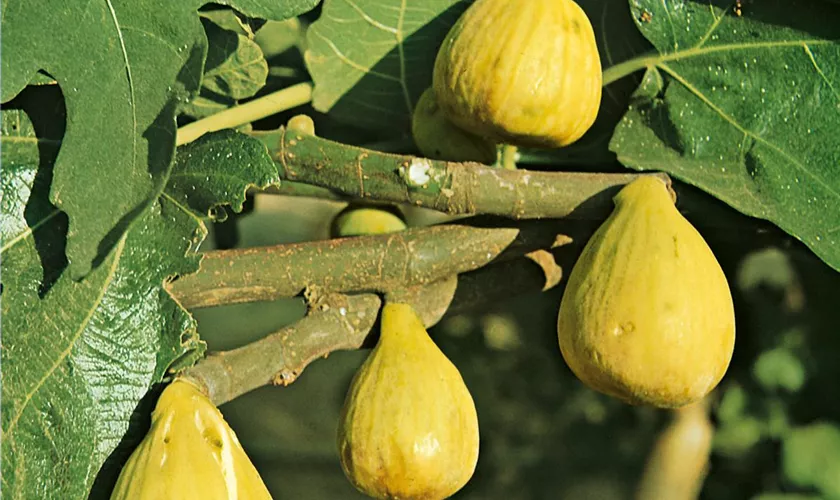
x,y
523,73
647,314
190,452
439,139
358,221
409,428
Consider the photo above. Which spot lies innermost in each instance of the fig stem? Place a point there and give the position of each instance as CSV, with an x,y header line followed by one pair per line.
x,y
509,153
449,187
287,98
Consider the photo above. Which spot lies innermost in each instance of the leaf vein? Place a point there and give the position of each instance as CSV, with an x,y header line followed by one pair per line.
x,y
346,60
712,28
787,156
75,337
131,95
29,231
820,71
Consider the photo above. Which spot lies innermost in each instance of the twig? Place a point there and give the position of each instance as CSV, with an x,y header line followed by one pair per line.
x,y
287,98
369,263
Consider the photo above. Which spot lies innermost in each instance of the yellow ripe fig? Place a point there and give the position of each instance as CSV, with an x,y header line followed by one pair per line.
x,y
439,139
647,314
408,429
190,452
521,73
358,221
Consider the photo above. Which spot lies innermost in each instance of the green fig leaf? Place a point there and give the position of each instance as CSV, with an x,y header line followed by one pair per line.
x,y
78,356
745,107
218,169
124,67
370,61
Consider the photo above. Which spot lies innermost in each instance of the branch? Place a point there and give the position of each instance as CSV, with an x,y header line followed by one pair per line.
x,y
340,322
336,322
454,188
369,263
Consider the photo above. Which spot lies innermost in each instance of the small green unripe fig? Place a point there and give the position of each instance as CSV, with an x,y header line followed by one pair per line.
x,y
362,220
439,139
647,314
408,429
522,73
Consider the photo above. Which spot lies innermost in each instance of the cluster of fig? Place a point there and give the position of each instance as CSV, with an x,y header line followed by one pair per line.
x,y
646,316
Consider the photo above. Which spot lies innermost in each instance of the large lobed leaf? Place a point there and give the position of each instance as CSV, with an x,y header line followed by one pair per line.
x,y
78,357
371,59
746,107
124,66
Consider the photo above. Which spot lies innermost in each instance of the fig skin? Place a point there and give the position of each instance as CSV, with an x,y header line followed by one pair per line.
x,y
647,314
408,429
521,73
439,139
189,452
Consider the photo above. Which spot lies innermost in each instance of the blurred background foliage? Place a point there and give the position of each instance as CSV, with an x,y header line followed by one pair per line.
x,y
543,434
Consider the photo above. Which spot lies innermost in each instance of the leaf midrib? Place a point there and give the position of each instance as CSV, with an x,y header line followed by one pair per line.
x,y
625,68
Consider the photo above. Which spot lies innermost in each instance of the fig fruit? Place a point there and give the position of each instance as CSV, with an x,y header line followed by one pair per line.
x,y
189,452
521,73
439,139
409,428
679,459
647,315
362,220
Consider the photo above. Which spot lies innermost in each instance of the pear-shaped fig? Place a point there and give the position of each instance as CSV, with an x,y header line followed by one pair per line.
x,y
190,452
439,139
522,73
647,314
408,429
